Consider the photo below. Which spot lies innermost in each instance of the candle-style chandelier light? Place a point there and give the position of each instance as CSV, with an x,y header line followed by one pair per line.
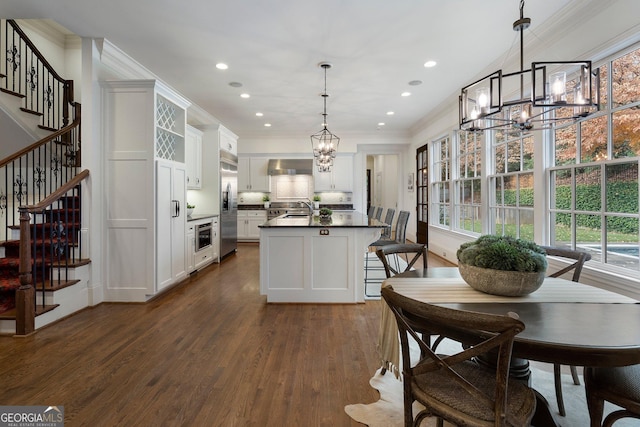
x,y
324,143
538,97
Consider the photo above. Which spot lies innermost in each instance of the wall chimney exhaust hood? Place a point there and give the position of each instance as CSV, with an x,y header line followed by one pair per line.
x,y
290,167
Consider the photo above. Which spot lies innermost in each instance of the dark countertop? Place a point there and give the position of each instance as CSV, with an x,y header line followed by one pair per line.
x,y
196,217
346,220
252,207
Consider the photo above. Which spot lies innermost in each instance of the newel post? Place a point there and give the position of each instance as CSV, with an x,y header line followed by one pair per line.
x,y
25,295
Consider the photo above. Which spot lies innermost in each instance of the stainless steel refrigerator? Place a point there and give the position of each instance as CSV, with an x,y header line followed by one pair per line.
x,y
228,203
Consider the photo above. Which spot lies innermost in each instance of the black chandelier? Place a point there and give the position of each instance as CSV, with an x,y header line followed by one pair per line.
x,y
324,143
542,96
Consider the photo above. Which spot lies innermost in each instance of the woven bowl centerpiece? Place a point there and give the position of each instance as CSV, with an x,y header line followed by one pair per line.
x,y
502,265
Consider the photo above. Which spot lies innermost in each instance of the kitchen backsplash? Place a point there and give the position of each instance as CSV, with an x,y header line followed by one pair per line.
x,y
287,188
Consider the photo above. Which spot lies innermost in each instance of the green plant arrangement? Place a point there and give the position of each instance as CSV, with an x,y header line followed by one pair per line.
x,y
325,212
503,253
316,197
502,265
266,198
190,206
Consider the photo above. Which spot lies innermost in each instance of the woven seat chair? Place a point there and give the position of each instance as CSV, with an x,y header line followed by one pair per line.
x,y
455,388
620,386
579,258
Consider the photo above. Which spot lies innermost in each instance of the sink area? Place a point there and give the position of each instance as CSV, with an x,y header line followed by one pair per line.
x,y
296,215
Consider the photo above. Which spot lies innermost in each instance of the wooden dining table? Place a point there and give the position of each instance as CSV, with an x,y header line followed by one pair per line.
x,y
565,322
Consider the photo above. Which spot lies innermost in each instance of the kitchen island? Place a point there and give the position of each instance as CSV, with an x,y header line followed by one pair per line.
x,y
304,259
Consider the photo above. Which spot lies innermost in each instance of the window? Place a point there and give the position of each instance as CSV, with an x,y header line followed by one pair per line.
x,y
467,182
511,190
595,178
441,173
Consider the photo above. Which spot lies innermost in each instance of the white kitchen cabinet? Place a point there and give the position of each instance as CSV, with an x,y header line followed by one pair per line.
x,y
190,249
340,178
249,222
252,174
171,222
143,143
193,158
215,232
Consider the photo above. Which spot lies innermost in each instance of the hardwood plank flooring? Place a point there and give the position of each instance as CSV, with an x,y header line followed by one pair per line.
x,y
209,352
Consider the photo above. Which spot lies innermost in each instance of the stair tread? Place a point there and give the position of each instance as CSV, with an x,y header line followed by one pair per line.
x,y
11,314
28,111
10,92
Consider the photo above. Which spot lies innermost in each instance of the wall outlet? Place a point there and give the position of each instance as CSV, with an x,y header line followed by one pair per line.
x,y
444,254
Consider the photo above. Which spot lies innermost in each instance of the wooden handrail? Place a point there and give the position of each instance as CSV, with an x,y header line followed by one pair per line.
x,y
51,198
64,130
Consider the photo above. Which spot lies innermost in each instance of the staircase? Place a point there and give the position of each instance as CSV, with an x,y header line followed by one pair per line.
x,y
42,273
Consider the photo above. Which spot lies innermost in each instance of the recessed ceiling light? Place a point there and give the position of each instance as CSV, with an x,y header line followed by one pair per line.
x,y
221,66
268,125
415,82
235,84
430,64
405,94
259,114
381,124
245,95
390,113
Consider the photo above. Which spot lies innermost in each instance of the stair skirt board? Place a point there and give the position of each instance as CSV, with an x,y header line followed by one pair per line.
x,y
69,299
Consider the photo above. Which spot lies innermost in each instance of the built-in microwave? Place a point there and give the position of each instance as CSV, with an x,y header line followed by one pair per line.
x,y
204,235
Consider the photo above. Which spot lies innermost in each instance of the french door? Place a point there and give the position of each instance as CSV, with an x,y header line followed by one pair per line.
x,y
422,199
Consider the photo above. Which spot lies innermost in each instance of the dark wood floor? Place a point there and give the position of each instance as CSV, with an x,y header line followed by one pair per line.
x,y
209,352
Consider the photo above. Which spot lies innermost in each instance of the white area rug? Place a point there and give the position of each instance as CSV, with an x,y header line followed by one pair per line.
x,y
389,411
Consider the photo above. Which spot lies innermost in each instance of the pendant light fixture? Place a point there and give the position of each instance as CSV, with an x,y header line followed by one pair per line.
x,y
324,143
539,97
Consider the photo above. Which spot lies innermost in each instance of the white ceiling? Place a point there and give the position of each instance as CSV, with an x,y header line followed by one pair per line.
x,y
273,48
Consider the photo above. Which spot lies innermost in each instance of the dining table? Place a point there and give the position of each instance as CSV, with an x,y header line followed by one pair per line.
x,y
566,322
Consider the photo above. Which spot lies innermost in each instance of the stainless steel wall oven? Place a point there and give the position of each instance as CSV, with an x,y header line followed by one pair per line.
x,y
204,236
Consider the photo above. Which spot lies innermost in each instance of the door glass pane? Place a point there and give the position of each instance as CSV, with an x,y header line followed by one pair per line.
x,y
526,224
513,153
500,158
561,232
511,222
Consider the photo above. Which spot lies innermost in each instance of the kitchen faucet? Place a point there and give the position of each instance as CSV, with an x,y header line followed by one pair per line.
x,y
308,204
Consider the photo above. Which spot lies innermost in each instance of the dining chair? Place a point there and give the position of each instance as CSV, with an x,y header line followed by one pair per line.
x,y
579,258
398,237
388,255
620,386
454,387
371,211
388,219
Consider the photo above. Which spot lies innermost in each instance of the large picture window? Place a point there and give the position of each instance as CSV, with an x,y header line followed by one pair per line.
x,y
511,210
594,181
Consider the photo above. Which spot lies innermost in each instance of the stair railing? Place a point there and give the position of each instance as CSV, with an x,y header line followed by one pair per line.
x,y
24,72
47,248
30,175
